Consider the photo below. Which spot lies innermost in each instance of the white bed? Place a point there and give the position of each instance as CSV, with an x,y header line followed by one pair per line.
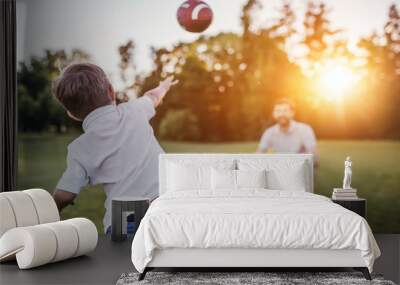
x,y
198,226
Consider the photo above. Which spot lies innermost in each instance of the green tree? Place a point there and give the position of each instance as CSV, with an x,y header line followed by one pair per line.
x,y
128,73
37,109
319,36
177,120
382,55
229,84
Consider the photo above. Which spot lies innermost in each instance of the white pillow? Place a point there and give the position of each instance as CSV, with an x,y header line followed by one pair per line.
x,y
193,174
183,178
237,179
251,178
223,179
291,179
285,174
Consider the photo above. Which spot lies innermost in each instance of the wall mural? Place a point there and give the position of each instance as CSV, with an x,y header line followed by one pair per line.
x,y
282,80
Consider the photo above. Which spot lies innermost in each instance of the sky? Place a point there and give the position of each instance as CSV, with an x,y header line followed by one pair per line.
x,y
100,26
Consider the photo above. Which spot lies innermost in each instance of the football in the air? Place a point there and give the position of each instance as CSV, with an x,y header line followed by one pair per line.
x,y
194,16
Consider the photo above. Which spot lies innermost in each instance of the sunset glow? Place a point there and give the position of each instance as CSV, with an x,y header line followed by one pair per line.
x,y
336,80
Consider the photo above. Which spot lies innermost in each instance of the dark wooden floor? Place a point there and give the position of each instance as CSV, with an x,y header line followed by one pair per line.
x,y
103,266
110,260
389,262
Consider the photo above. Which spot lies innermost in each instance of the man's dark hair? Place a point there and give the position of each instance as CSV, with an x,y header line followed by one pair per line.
x,y
82,88
286,101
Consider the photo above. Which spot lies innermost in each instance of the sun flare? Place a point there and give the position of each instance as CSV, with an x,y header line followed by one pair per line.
x,y
336,80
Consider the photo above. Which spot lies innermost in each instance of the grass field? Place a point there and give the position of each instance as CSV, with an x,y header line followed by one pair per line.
x,y
376,173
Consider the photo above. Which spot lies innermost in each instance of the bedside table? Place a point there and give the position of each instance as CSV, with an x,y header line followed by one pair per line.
x,y
358,205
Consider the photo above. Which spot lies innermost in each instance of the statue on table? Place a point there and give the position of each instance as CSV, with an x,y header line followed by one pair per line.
x,y
347,173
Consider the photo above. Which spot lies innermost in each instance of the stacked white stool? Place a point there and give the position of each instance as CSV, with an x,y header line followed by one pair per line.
x,y
31,231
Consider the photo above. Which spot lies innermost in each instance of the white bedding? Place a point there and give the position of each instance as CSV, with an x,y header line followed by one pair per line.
x,y
250,219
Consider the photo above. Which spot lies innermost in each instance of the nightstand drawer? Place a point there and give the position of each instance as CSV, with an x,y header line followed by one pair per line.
x,y
358,206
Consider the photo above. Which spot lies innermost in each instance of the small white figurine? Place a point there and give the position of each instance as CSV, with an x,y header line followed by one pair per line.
x,y
347,173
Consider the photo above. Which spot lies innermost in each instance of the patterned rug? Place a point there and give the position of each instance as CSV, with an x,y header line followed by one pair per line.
x,y
243,278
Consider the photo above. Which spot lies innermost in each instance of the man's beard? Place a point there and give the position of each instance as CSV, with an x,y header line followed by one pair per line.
x,y
284,122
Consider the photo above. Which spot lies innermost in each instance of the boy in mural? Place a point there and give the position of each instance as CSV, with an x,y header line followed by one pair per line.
x,y
118,148
288,135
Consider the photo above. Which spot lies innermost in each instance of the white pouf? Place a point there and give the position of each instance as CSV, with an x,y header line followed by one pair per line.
x,y
31,231
23,208
7,218
45,206
65,236
26,208
37,245
87,235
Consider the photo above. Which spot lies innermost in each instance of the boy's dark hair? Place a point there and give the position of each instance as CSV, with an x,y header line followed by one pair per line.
x,y
285,101
82,88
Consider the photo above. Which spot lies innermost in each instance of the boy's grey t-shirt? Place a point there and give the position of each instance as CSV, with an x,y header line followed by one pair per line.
x,y
117,149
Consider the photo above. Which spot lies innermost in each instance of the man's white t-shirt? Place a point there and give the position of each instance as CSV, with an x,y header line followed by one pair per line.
x,y
118,149
299,138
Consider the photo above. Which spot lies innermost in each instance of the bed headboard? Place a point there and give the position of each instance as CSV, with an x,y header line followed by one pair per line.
x,y
165,158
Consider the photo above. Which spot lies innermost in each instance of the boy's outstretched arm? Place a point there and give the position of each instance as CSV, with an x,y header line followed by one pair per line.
x,y
63,198
157,94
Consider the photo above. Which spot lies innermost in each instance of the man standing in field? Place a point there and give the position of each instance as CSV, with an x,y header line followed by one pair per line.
x,y
288,135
